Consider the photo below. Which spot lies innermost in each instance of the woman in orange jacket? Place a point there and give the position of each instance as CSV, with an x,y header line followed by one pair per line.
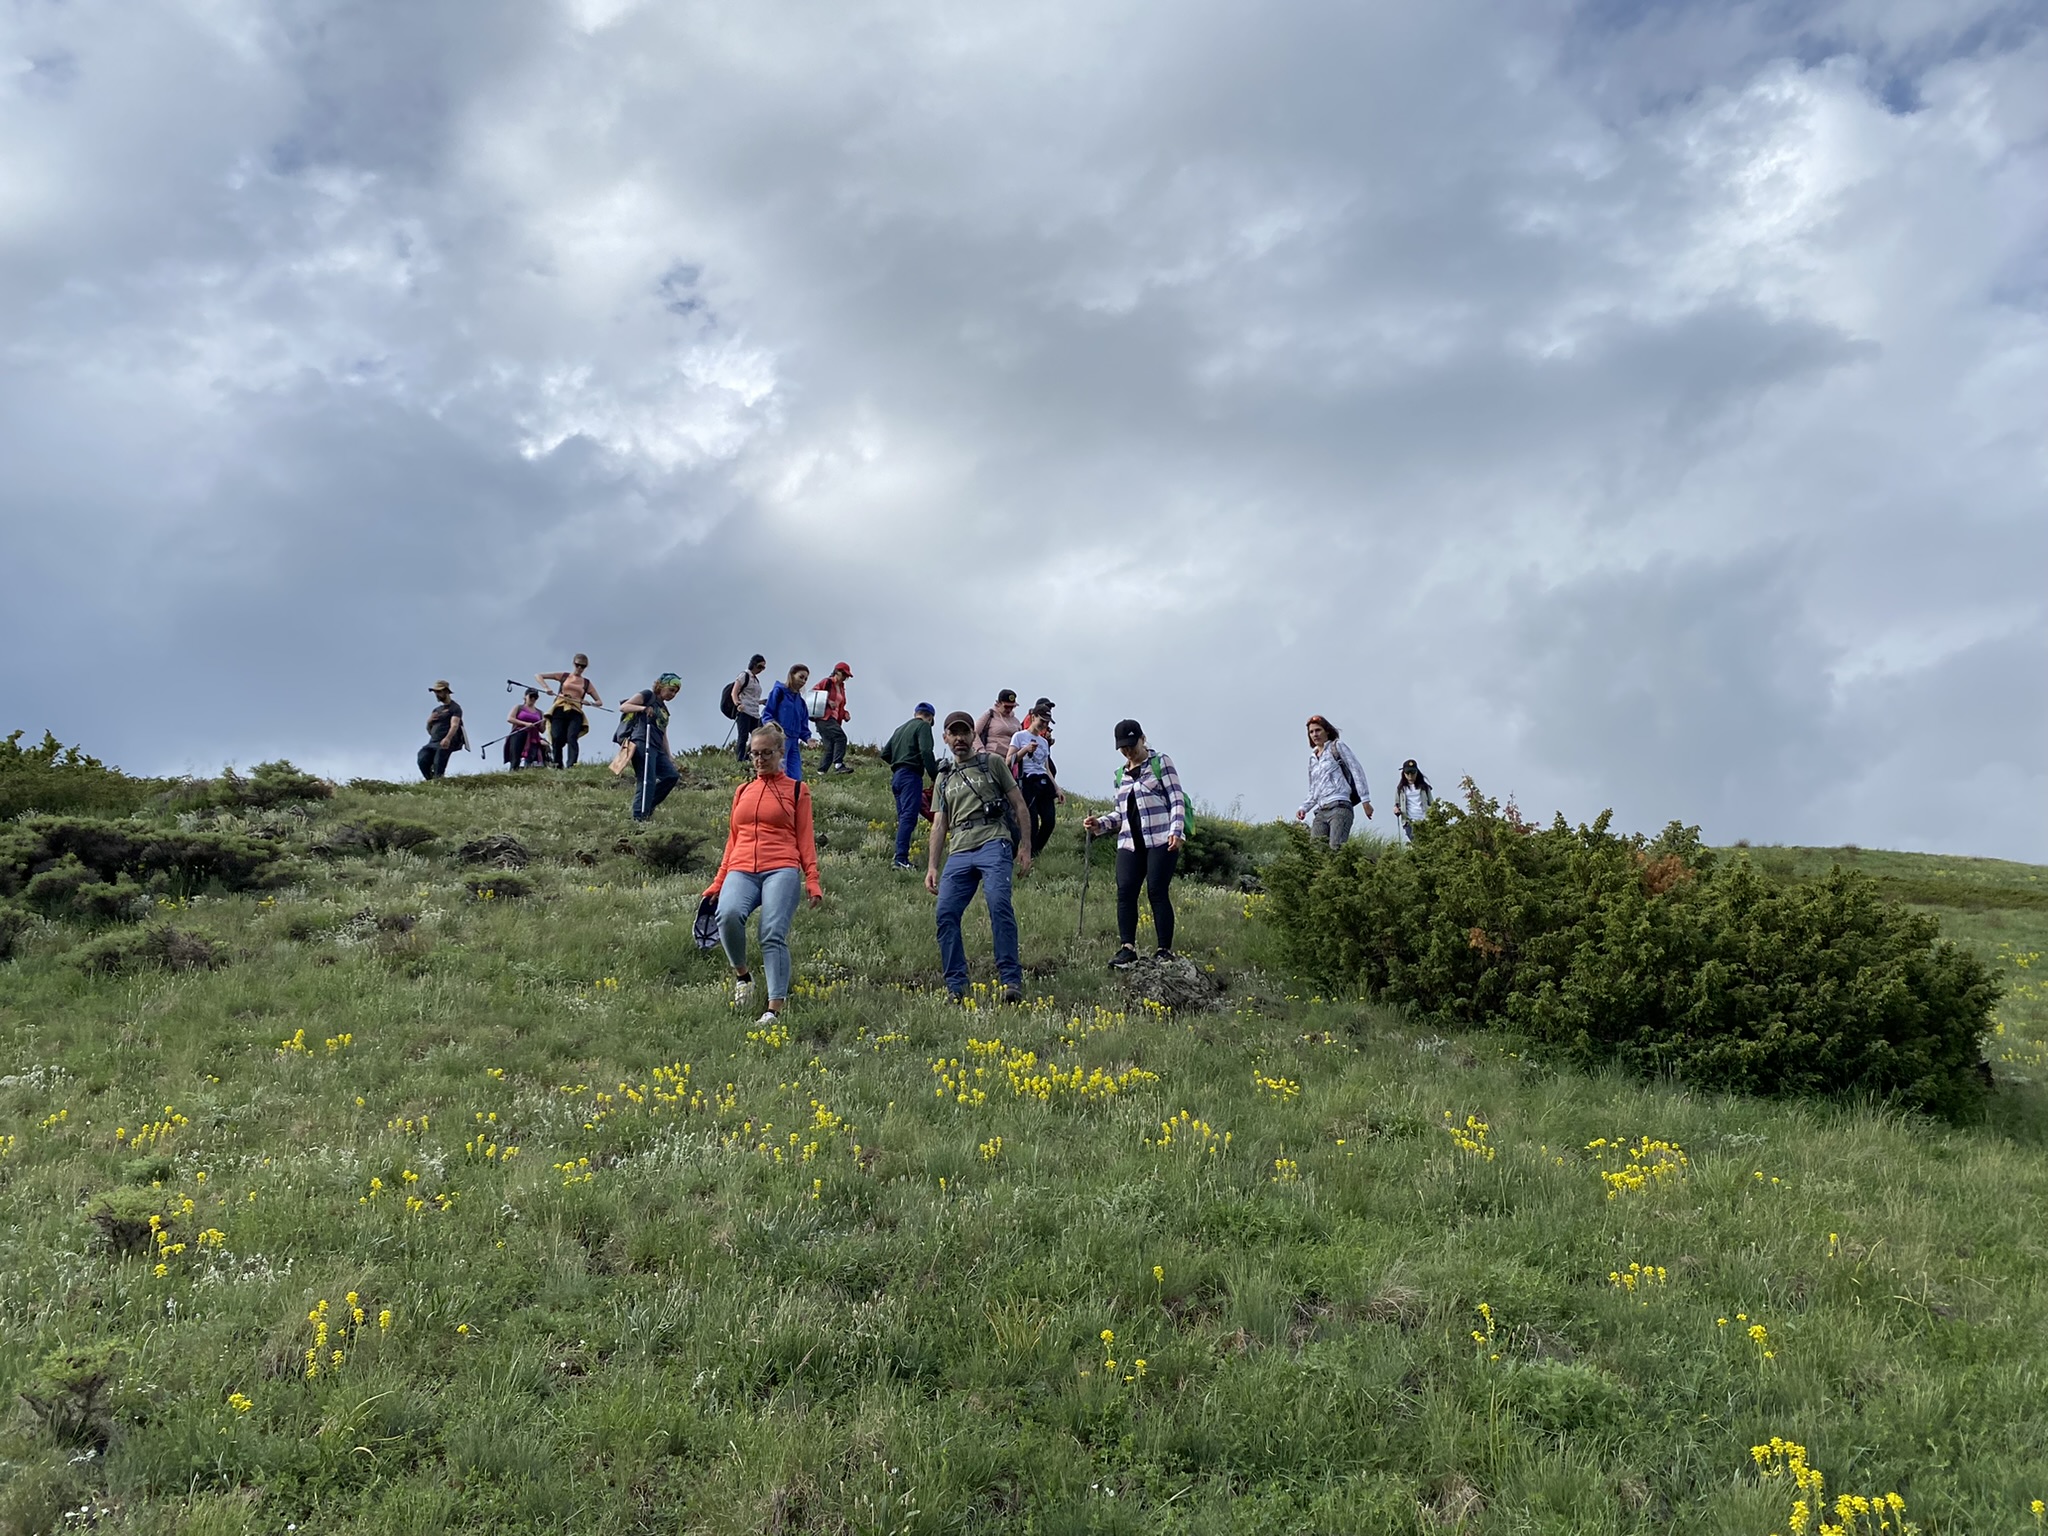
x,y
771,856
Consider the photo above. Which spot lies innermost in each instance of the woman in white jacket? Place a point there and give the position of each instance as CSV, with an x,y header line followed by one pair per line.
x,y
1412,799
1336,783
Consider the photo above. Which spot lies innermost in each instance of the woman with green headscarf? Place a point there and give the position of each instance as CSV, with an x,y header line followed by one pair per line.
x,y
643,724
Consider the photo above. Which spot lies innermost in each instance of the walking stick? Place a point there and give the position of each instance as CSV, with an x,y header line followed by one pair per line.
x,y
513,687
646,760
1087,865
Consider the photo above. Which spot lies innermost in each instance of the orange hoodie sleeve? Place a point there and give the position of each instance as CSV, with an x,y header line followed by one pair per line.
x,y
732,839
806,840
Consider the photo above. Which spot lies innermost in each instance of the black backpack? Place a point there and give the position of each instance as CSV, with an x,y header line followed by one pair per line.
x,y
726,707
991,810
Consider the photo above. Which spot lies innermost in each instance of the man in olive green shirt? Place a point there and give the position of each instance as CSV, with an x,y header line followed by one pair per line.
x,y
978,807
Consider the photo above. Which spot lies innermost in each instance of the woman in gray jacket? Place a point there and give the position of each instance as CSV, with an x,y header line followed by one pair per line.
x,y
1336,783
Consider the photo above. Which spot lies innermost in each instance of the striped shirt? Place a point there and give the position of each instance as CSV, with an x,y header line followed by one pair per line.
x,y
1327,784
1162,805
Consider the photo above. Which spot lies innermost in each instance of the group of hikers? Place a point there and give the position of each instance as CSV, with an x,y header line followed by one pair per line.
x,y
992,799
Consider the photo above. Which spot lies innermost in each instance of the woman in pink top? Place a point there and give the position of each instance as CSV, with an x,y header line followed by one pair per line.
x,y
992,732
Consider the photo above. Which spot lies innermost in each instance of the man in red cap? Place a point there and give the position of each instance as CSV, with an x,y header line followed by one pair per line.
x,y
832,723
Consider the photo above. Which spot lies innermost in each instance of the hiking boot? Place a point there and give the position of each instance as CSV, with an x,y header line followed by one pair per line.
x,y
1012,995
956,999
1123,959
901,864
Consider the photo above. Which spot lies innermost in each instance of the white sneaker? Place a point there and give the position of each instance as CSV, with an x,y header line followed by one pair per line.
x,y
768,1016
742,989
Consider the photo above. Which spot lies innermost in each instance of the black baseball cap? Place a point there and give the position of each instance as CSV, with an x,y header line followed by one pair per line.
x,y
1129,733
1044,707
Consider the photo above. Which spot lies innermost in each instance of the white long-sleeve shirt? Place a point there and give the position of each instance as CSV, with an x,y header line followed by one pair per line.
x,y
1326,782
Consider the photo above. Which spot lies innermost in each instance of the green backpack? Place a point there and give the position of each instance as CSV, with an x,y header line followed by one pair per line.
x,y
1187,809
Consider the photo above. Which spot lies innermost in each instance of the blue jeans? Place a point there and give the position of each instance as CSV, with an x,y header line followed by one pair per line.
x,y
987,865
652,780
775,892
908,784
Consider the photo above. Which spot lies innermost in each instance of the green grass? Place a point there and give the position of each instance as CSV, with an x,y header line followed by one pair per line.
x,y
797,1287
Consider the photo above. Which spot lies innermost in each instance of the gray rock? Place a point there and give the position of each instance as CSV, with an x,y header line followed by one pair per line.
x,y
1178,983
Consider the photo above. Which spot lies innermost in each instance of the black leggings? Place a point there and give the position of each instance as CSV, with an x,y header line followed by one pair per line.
x,y
1153,869
1038,799
565,730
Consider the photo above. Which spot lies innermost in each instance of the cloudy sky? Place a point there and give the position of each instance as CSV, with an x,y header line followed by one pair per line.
x,y
1628,404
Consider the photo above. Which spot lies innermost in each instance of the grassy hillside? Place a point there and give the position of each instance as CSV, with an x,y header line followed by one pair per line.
x,y
478,1207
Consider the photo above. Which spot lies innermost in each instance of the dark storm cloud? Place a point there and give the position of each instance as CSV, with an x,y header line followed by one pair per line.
x,y
1626,404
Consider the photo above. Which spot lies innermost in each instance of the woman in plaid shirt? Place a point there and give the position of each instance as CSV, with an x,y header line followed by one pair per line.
x,y
1149,814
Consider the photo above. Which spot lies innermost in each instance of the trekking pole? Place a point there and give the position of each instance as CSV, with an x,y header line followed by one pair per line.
x,y
646,762
506,737
1087,865
513,687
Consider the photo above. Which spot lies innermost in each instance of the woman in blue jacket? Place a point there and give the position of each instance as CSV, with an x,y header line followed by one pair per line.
x,y
786,706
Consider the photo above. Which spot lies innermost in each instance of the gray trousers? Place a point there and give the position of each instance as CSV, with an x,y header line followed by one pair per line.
x,y
1331,824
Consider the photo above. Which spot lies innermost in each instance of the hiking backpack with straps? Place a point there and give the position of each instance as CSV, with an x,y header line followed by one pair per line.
x,y
991,810
1338,758
1187,810
726,707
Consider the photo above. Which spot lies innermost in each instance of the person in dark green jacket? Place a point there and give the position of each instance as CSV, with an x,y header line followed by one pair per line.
x,y
910,757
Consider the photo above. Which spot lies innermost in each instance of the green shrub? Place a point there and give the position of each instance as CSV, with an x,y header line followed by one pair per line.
x,y
267,786
53,778
124,1219
1214,852
158,947
13,923
69,889
77,853
72,1392
374,834
1600,948
671,853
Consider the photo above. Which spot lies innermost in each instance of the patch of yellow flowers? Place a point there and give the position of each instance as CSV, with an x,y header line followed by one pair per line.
x,y
330,1332
1471,1136
1484,1336
1109,1363
772,1038
152,1133
1637,1279
1186,1131
1028,1078
1649,1164
1756,1333
1854,1514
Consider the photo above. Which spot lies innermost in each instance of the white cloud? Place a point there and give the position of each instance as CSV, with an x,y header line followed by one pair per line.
x,y
1623,403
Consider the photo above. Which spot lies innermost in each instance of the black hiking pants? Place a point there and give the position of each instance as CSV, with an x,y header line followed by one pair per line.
x,y
565,734
1038,799
1153,869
